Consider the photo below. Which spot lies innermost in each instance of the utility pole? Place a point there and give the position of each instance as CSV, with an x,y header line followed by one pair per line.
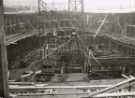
x,y
4,93
82,6
69,1
39,8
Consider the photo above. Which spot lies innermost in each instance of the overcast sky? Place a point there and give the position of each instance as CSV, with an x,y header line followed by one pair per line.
x,y
89,4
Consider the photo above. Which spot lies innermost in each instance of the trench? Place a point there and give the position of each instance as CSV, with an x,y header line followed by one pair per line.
x,y
19,60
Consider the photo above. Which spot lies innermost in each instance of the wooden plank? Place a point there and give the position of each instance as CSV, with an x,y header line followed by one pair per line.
x,y
107,61
13,87
118,94
16,37
116,87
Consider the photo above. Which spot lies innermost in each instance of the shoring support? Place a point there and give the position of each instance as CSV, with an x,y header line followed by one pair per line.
x,y
3,57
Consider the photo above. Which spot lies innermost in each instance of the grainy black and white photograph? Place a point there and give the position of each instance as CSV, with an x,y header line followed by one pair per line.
x,y
67,48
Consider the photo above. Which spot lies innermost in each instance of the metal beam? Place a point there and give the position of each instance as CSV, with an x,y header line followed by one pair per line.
x,y
3,57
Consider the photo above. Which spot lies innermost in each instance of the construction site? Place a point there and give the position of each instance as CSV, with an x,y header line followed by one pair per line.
x,y
66,53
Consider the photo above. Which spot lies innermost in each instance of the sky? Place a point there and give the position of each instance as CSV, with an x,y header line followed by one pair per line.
x,y
90,5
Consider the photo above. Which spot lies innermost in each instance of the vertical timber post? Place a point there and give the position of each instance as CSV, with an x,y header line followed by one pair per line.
x,y
3,57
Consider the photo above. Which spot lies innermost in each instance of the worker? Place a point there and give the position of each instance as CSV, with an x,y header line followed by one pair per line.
x,y
52,92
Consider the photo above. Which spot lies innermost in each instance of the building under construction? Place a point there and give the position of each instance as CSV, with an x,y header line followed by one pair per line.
x,y
66,54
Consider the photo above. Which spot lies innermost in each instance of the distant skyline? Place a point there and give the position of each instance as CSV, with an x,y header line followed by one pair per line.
x,y
90,5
